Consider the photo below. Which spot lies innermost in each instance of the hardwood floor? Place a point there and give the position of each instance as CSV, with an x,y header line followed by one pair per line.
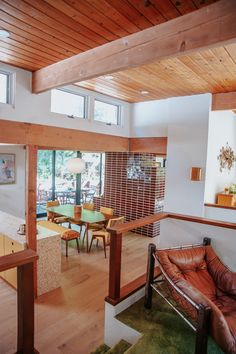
x,y
70,320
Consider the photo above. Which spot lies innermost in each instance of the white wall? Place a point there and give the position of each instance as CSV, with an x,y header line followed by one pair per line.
x,y
178,232
223,214
12,196
222,129
35,109
184,120
150,118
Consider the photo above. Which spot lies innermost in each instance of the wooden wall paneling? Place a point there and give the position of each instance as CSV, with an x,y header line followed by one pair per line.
x,y
12,132
156,145
224,101
167,40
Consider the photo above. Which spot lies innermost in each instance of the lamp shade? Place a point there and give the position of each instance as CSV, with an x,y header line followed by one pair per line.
x,y
75,165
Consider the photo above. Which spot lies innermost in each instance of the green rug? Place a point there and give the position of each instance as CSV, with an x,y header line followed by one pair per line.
x,y
164,332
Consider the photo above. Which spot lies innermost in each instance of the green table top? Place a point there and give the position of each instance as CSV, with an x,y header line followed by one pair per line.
x,y
87,216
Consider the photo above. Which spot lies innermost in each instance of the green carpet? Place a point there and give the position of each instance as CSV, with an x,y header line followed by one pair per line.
x,y
164,332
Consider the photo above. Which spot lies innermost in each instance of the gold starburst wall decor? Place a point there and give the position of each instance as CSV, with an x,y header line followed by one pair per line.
x,y
226,158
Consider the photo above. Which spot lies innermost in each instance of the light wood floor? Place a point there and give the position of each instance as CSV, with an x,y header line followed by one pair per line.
x,y
70,320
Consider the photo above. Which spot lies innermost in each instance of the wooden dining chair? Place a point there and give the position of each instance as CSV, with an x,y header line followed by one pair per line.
x,y
101,225
105,210
54,217
70,235
87,206
104,235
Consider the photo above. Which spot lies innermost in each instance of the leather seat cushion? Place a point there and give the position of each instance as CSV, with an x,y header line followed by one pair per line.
x,y
190,265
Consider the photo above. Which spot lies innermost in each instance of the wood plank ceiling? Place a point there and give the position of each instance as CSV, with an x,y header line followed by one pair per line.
x,y
43,32
207,71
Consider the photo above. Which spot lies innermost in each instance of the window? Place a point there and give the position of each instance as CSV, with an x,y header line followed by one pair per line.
x,y
55,182
69,103
5,87
106,112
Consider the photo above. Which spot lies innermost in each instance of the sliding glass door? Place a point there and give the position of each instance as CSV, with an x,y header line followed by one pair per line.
x,y
45,177
55,183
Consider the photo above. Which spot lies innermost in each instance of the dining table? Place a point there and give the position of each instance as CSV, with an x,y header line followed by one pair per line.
x,y
86,217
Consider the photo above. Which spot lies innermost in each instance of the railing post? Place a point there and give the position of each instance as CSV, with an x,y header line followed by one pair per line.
x,y
25,309
115,265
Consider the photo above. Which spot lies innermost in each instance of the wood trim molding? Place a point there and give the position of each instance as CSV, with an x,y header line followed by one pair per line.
x,y
197,219
17,259
180,36
130,288
12,132
212,205
156,145
123,228
224,101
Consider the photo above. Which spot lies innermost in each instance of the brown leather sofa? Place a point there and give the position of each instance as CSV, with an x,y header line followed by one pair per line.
x,y
203,287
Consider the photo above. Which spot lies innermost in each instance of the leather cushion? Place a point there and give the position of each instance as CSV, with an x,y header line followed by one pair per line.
x,y
200,269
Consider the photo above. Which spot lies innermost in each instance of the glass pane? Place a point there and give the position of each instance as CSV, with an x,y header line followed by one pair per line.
x,y
92,179
3,87
106,112
65,182
67,103
44,180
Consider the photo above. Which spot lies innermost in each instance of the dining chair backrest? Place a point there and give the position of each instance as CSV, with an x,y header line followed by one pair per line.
x,y
88,206
51,203
105,210
116,221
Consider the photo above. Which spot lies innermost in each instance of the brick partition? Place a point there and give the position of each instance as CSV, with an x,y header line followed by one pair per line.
x,y
134,187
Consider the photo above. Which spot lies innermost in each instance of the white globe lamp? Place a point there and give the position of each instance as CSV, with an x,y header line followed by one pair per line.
x,y
75,165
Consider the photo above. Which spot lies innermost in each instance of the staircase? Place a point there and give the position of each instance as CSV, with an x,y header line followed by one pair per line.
x,y
163,331
120,348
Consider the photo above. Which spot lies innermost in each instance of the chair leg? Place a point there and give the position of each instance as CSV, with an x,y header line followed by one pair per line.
x,y
202,330
66,248
104,246
149,276
77,242
90,244
97,242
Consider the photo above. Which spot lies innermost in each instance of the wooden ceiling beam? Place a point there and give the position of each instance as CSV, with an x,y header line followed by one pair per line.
x,y
224,101
12,132
210,26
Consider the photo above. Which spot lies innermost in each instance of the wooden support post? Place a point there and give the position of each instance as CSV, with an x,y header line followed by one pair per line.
x,y
25,309
150,275
115,265
202,329
31,200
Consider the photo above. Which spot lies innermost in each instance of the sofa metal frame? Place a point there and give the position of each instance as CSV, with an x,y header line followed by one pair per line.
x,y
201,326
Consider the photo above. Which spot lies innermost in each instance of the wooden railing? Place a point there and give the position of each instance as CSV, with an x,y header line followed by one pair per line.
x,y
24,261
115,292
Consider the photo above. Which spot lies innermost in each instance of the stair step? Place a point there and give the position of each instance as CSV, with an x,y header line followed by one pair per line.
x,y
119,348
102,349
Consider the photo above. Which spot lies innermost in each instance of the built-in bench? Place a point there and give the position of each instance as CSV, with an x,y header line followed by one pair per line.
x,y
66,234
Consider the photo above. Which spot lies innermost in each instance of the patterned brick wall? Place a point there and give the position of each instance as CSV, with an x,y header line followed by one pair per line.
x,y
134,187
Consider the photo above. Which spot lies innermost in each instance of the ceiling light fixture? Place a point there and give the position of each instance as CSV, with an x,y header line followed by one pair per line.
x,y
4,33
75,165
109,77
143,92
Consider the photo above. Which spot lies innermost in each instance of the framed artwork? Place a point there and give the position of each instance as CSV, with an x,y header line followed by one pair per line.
x,y
7,168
